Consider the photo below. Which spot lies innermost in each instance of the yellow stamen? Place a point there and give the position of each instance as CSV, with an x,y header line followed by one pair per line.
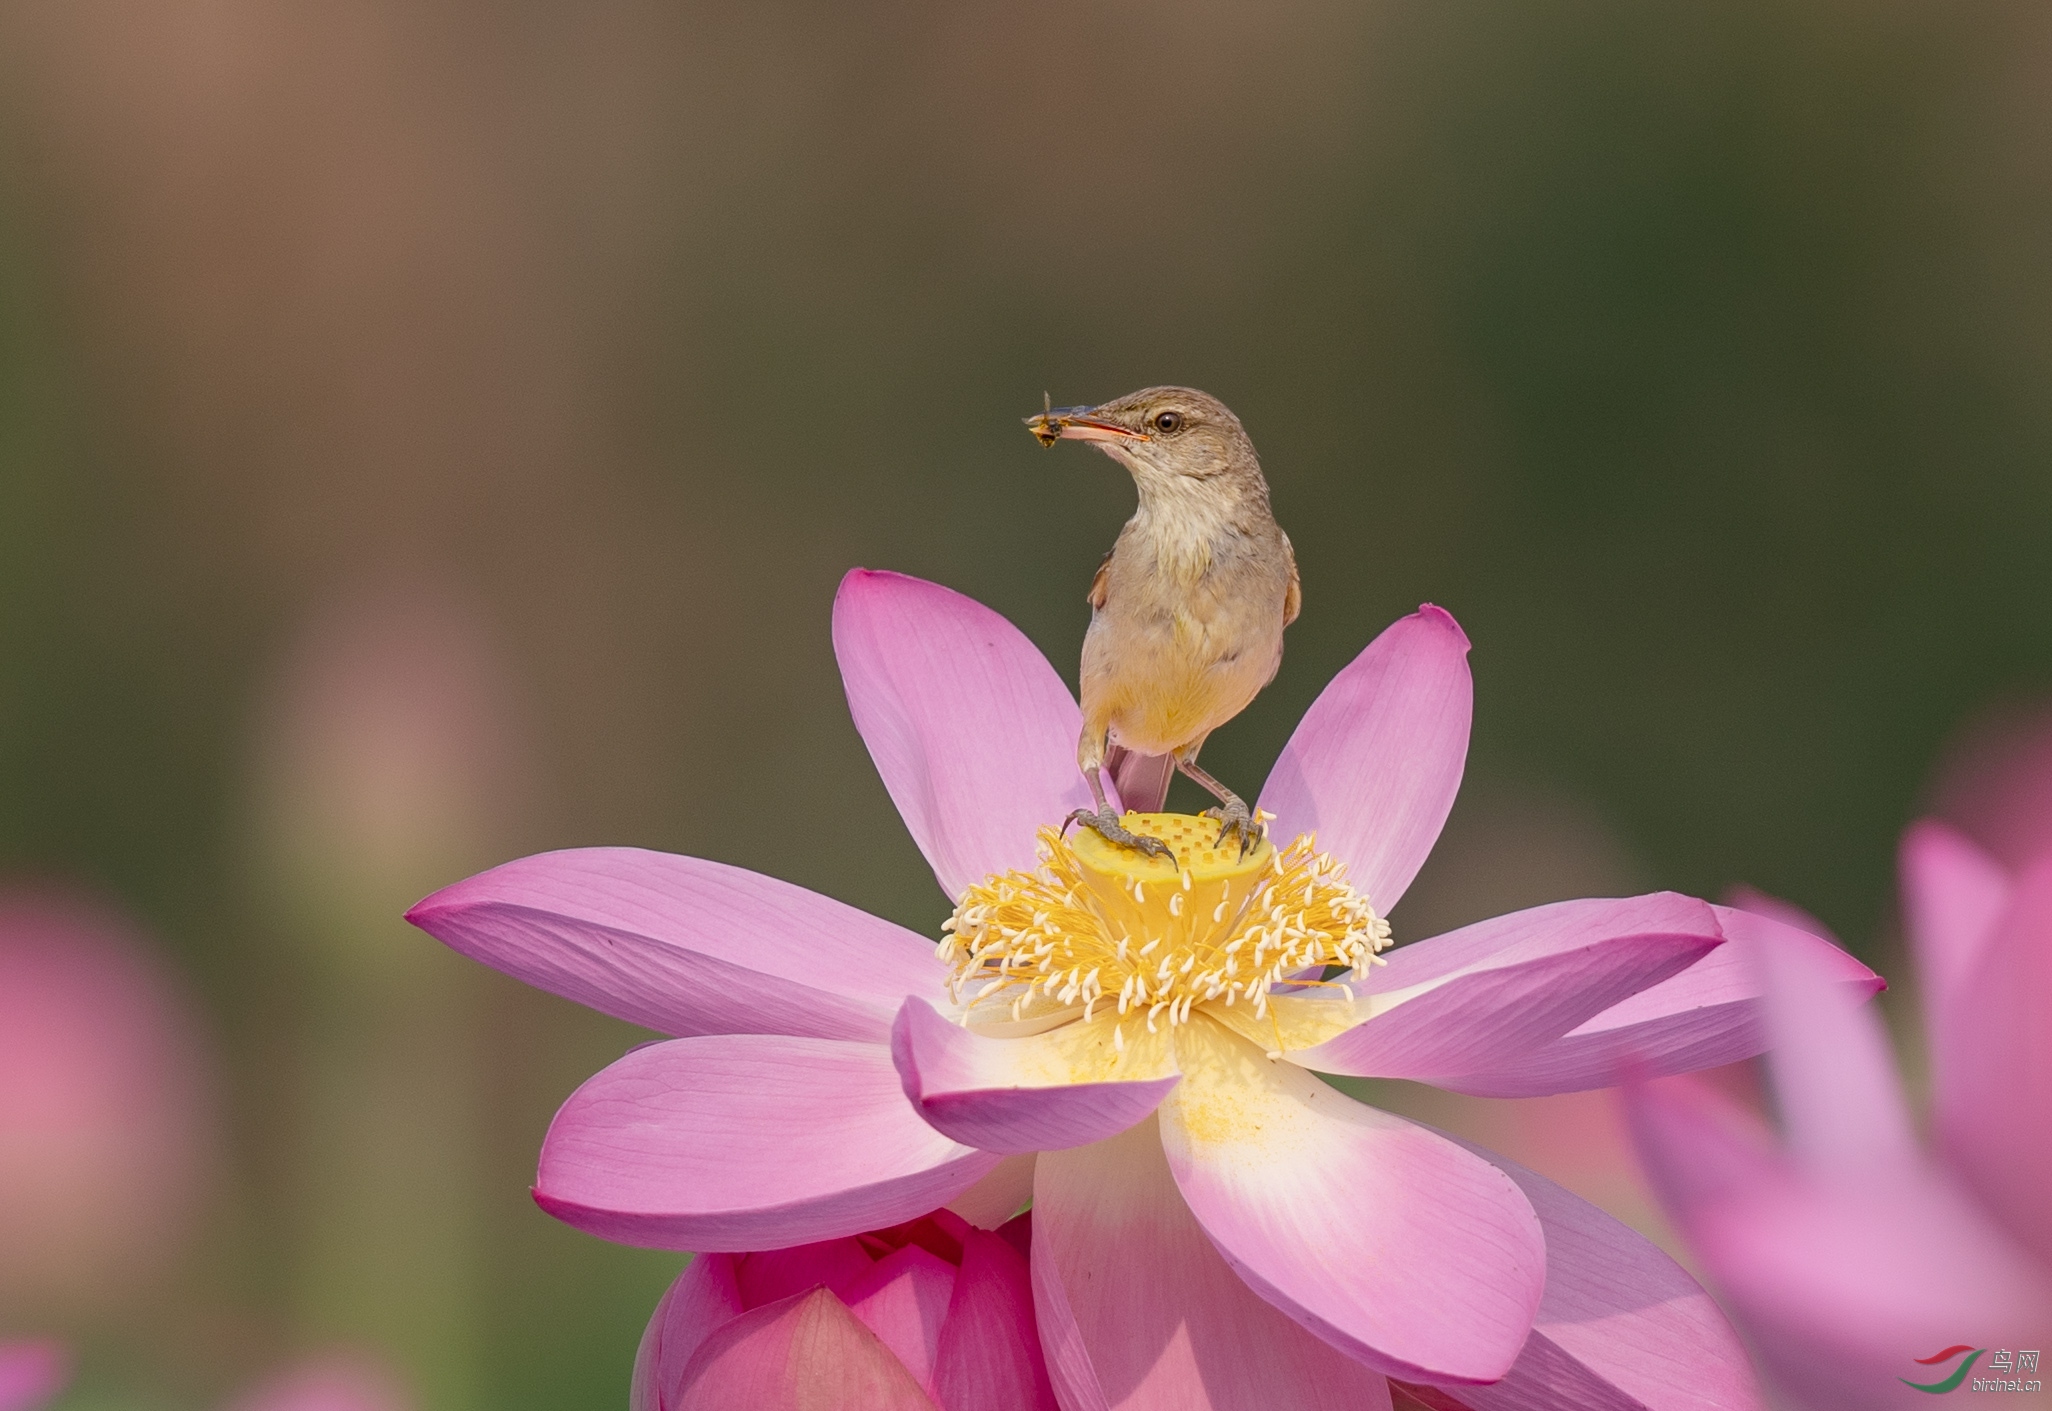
x,y
1083,929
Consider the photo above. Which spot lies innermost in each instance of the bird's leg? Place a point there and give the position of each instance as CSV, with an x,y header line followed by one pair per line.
x,y
1232,814
1106,824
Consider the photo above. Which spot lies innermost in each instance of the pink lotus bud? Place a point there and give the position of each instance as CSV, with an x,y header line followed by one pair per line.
x,y
105,1115
932,1315
32,1372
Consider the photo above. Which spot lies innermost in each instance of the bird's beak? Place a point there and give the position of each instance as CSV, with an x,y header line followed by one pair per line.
x,y
1077,424
1084,427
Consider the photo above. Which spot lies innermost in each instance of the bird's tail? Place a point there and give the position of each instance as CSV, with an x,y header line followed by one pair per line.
x,y
1142,779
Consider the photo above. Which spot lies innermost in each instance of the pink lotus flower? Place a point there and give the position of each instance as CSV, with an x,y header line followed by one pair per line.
x,y
32,1372
1848,1254
1213,1225
931,1315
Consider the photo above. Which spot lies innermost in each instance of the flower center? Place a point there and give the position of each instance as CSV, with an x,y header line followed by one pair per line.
x,y
1101,925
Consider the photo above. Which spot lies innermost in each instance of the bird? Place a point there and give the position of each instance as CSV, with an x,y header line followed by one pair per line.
x,y
1188,608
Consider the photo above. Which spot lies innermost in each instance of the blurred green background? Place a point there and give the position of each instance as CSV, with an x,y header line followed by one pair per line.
x,y
432,432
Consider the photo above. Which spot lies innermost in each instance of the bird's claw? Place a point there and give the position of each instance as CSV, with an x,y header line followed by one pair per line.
x,y
1107,826
1233,818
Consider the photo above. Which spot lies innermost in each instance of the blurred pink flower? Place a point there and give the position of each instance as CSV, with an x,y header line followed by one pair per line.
x,y
105,1113
1260,1240
387,756
1847,1253
931,1315
390,741
32,1372
334,1382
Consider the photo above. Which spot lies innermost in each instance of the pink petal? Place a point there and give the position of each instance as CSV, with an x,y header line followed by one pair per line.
x,y
1995,1121
1954,897
1622,1327
1018,1233
805,1353
1953,894
1062,1344
1476,999
685,946
32,1372
973,733
1743,898
989,1357
1833,1071
1840,1278
702,1299
903,1301
1840,1289
1375,763
1695,1145
1706,1016
1138,1312
1006,1094
1387,1240
770,1274
995,1199
746,1141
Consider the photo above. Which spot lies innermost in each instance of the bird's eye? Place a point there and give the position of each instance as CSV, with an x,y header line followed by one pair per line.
x,y
1168,423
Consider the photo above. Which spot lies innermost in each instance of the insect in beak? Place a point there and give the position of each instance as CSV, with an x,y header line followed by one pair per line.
x,y
1053,423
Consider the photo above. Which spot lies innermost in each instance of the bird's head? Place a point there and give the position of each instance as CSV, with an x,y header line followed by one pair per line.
x,y
1161,434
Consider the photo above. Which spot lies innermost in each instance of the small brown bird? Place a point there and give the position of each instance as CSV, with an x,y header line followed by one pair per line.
x,y
1188,608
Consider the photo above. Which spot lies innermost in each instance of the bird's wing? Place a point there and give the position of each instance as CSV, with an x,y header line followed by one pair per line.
x,y
1293,596
1142,779
1100,585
